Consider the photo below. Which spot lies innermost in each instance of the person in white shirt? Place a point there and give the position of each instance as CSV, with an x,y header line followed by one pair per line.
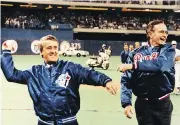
x,y
177,68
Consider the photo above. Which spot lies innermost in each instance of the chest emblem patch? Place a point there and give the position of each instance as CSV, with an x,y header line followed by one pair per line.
x,y
63,80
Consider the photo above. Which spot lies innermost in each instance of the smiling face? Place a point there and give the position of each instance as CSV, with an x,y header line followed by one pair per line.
x,y
49,50
158,34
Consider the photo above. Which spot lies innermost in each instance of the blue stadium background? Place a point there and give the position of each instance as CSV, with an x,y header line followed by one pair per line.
x,y
110,25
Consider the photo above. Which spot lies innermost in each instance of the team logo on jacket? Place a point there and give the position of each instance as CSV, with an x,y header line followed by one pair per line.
x,y
140,57
63,80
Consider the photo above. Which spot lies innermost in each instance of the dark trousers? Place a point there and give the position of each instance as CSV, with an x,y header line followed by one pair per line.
x,y
153,112
69,123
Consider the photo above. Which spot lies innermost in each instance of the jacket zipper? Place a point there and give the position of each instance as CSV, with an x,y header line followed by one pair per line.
x,y
50,70
68,103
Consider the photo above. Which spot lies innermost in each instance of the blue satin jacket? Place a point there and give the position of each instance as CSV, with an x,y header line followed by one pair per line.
x,y
153,75
53,89
124,55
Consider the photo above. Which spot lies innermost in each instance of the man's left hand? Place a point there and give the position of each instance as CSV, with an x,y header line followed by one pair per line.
x,y
177,58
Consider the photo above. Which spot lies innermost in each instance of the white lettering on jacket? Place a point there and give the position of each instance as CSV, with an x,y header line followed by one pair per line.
x,y
140,57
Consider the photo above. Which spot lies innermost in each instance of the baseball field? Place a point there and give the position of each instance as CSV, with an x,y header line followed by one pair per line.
x,y
98,107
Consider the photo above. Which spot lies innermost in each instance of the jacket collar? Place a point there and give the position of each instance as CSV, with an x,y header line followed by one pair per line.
x,y
51,65
52,69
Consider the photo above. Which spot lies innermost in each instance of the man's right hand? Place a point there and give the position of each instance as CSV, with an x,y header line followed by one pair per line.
x,y
112,87
128,111
124,67
8,45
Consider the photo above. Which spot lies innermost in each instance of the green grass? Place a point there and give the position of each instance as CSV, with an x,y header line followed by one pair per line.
x,y
98,107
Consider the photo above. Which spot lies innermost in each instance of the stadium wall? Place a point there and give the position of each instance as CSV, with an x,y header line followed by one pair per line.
x,y
25,39
34,34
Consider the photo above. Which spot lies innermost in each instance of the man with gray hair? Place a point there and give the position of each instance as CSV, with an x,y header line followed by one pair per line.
x,y
149,75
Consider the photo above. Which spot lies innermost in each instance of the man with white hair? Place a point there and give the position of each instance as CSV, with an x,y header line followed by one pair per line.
x,y
177,66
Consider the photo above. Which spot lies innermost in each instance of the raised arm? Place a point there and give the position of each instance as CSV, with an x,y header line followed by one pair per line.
x,y
7,66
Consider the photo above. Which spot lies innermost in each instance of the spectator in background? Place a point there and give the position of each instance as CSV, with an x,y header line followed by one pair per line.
x,y
103,48
177,68
124,53
131,47
137,45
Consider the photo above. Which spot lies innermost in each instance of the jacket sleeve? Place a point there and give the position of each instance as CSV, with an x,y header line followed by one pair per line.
x,y
90,77
10,72
164,62
122,56
126,92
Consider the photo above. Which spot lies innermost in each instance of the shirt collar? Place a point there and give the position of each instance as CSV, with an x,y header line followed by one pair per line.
x,y
51,65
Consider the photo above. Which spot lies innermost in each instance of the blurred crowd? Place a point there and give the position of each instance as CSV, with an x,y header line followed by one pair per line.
x,y
33,20
78,19
146,2
125,22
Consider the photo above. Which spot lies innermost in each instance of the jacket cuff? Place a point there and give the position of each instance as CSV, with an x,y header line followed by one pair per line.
x,y
134,65
106,81
126,104
6,51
